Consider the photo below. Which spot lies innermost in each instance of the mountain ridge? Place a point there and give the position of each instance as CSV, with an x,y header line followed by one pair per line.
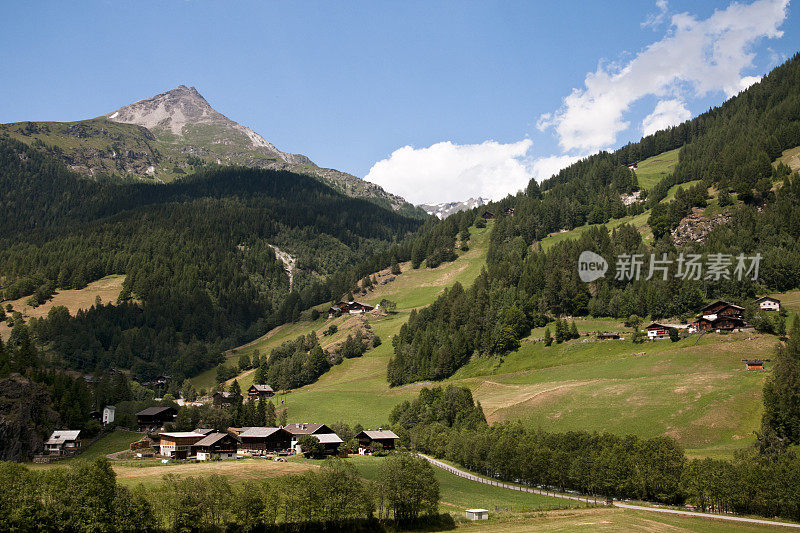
x,y
174,133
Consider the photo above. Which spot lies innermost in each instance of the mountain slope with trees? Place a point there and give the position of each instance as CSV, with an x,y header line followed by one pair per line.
x,y
175,134
730,147
201,275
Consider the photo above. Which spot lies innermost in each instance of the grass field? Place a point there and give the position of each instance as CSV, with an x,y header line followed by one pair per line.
x,y
609,519
150,474
107,288
653,169
791,158
701,395
638,221
113,442
458,494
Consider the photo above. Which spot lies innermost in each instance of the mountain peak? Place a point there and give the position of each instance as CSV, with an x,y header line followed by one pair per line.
x,y
170,110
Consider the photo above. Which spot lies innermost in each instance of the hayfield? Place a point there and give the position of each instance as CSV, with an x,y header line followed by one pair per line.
x,y
653,169
791,158
107,289
151,474
609,519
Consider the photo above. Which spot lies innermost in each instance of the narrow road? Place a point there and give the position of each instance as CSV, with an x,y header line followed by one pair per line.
x,y
708,515
495,483
479,479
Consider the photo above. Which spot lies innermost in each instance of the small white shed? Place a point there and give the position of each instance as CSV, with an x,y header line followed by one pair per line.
x,y
477,514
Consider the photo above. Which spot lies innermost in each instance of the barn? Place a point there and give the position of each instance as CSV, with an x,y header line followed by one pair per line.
x,y
154,418
221,446
265,440
383,436
720,316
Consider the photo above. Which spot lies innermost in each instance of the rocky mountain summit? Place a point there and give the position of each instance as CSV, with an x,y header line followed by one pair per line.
x,y
183,116
446,209
176,133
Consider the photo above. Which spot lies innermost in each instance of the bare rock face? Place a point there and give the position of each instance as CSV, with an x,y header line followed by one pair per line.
x,y
173,110
696,226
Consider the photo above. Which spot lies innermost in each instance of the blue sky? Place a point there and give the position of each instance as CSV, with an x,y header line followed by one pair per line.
x,y
433,100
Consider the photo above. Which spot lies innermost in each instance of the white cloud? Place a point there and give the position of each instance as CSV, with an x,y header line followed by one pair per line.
x,y
696,56
446,172
544,167
667,113
655,19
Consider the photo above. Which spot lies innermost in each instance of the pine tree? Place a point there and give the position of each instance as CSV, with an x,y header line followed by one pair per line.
x,y
270,418
573,331
548,339
560,333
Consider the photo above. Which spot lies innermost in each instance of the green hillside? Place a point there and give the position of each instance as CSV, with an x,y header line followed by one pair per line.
x,y
701,395
653,169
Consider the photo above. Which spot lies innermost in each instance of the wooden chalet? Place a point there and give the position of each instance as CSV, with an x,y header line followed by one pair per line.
x,y
154,418
352,308
660,330
63,442
509,212
604,336
223,398
221,446
178,444
265,440
299,430
330,441
487,215
258,391
767,303
720,316
384,436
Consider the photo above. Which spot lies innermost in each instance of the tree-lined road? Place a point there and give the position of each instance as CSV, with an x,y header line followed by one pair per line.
x,y
587,499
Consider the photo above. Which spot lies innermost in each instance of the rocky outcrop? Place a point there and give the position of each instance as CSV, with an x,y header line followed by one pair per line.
x,y
696,226
25,418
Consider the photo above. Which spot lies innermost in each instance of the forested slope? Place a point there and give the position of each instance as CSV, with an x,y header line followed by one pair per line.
x,y
195,253
729,148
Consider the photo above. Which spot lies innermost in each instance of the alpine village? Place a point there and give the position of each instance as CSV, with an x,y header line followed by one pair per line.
x,y
201,332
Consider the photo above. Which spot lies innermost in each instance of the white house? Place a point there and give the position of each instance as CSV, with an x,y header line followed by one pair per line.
x,y
63,442
108,414
477,514
766,303
660,330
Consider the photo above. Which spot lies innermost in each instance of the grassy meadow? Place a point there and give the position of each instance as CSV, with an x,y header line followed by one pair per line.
x,y
107,289
653,169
